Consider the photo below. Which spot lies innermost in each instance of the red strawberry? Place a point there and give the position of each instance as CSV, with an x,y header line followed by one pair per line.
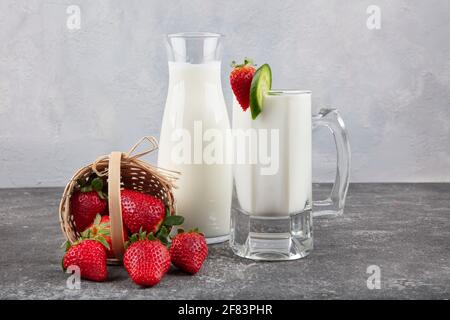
x,y
146,259
90,257
140,210
241,79
100,230
87,203
188,251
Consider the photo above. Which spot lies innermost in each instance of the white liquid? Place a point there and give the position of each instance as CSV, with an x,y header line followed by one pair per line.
x,y
204,190
287,191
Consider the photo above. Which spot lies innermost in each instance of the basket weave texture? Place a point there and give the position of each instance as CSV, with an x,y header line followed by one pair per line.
x,y
135,174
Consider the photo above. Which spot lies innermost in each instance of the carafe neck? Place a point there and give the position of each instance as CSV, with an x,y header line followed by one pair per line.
x,y
194,47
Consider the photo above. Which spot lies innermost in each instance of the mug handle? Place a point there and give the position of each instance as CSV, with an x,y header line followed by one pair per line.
x,y
334,204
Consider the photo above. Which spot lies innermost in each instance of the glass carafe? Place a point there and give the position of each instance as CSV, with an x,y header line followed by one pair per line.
x,y
194,127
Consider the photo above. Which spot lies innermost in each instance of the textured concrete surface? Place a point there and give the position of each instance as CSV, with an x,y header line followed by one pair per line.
x,y
402,228
68,96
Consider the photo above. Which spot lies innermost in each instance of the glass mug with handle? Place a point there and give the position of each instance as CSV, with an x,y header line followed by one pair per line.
x,y
272,208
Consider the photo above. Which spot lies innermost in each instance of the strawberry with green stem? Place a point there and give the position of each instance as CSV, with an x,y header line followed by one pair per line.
x,y
188,250
100,230
241,79
87,202
169,221
141,210
146,259
251,85
89,256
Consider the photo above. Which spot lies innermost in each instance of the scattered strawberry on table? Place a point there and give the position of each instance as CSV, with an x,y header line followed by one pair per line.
x,y
146,259
149,250
90,257
188,251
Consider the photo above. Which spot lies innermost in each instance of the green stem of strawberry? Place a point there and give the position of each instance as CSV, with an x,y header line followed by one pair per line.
x,y
174,220
162,234
93,183
141,235
247,62
99,233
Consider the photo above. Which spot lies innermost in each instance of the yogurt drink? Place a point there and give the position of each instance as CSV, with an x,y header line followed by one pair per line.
x,y
195,105
272,207
271,212
287,189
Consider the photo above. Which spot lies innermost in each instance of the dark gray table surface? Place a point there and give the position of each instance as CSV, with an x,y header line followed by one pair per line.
x,y
402,228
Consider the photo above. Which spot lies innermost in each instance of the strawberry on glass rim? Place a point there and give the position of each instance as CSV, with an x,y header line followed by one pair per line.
x,y
250,85
241,79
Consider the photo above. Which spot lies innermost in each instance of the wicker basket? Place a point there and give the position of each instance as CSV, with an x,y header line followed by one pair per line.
x,y
121,170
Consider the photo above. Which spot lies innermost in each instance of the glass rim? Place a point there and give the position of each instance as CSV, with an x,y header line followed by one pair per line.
x,y
287,92
195,34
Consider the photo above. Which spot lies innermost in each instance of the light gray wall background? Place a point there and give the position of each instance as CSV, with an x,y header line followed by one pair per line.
x,y
67,96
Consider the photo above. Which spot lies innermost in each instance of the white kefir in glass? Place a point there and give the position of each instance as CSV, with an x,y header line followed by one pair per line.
x,y
271,213
285,188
